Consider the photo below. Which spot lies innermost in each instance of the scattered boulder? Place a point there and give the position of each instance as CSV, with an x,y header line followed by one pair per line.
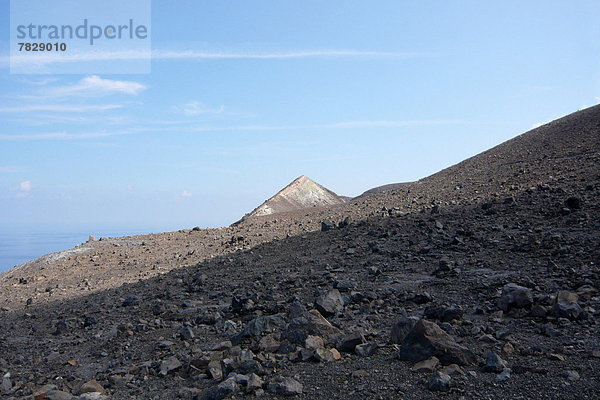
x,y
309,323
504,375
186,333
60,328
571,375
493,363
514,296
250,367
6,385
269,343
348,343
427,339
538,311
254,383
327,226
284,386
366,349
402,328
564,296
215,370
260,325
439,381
327,355
422,298
314,342
91,387
570,311
222,390
330,303
429,365
443,313
169,365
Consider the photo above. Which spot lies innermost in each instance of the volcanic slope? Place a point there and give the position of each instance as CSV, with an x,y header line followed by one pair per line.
x,y
497,257
549,156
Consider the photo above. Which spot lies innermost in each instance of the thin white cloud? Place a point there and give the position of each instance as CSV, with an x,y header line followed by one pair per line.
x,y
41,82
75,108
192,54
95,86
185,193
25,186
390,123
167,55
194,108
150,127
9,169
62,135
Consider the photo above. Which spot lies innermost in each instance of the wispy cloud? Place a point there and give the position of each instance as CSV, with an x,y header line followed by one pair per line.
x,y
166,55
9,169
95,86
193,127
76,108
61,136
25,186
194,108
24,190
390,123
193,54
40,82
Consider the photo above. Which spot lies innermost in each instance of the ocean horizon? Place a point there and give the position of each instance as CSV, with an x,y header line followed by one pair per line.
x,y
18,246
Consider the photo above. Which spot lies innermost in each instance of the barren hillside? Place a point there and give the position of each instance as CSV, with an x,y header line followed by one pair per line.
x,y
480,281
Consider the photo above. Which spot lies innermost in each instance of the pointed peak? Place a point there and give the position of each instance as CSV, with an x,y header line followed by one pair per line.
x,y
302,178
301,193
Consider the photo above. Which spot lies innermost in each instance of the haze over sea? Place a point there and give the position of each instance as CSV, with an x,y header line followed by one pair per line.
x,y
17,246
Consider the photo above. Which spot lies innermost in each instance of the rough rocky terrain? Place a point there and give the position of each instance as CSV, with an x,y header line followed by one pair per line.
x,y
479,282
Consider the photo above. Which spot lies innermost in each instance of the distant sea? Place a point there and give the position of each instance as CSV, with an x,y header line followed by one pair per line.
x,y
19,246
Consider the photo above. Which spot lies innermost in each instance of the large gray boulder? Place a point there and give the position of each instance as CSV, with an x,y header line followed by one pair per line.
x,y
427,339
515,296
330,303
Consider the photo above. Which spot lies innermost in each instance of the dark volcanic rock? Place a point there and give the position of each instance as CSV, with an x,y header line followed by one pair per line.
x,y
402,328
330,303
514,296
309,323
260,325
493,363
439,381
327,226
573,202
366,349
285,386
567,310
443,313
348,343
130,301
221,391
427,339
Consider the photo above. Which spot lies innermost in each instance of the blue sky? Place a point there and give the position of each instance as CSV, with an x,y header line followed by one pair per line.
x,y
245,96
